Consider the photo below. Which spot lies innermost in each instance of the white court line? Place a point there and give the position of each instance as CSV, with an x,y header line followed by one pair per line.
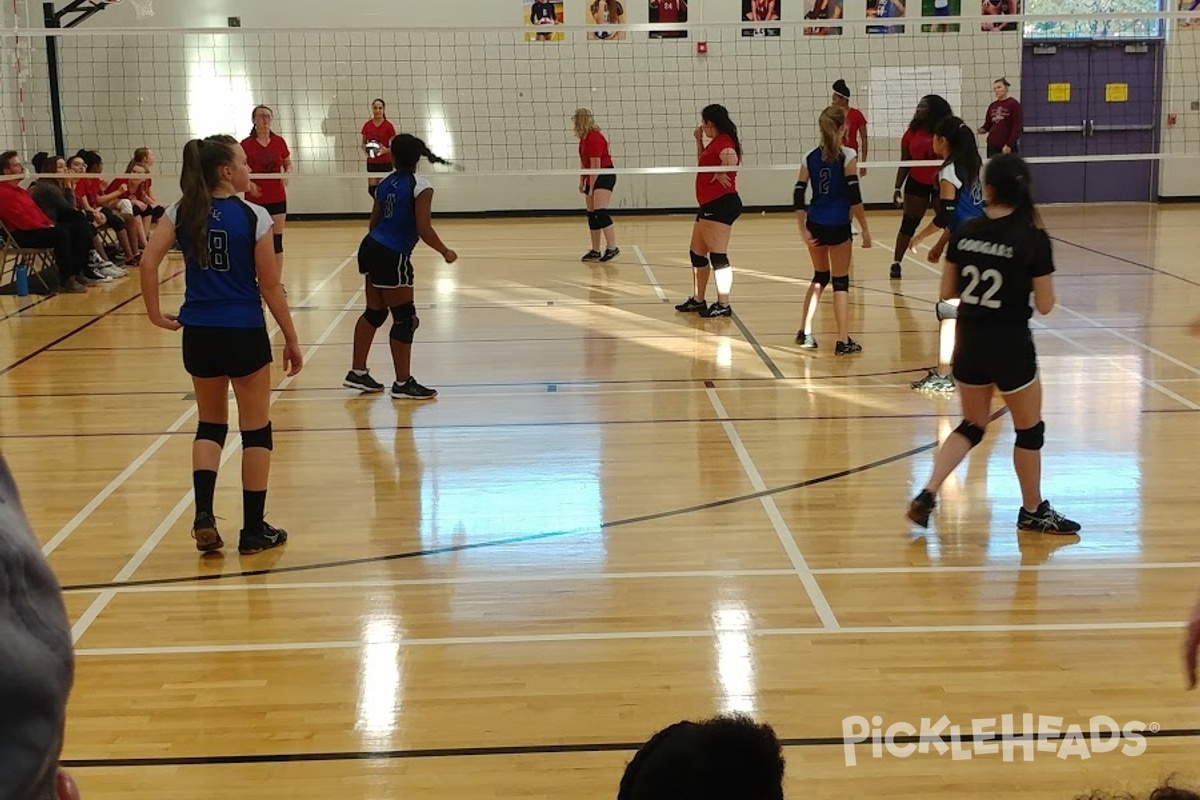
x,y
650,274
137,559
116,483
232,584
820,603
1132,341
611,636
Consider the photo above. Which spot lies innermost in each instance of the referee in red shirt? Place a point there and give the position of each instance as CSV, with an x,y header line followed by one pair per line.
x,y
30,227
1004,121
856,123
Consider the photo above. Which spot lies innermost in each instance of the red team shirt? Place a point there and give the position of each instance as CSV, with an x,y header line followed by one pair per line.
x,y
708,189
919,145
268,158
668,10
594,145
18,212
88,189
383,133
855,122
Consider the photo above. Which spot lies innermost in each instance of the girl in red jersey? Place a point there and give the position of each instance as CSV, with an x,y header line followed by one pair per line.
x,y
596,189
144,156
720,206
915,192
266,151
377,134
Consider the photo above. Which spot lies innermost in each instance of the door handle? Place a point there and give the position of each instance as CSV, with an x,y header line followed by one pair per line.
x,y
1054,129
1112,128
1089,127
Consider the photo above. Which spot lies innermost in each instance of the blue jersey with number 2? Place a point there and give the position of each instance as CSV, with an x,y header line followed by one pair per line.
x,y
831,198
224,293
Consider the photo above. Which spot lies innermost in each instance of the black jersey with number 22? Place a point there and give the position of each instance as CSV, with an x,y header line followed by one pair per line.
x,y
997,260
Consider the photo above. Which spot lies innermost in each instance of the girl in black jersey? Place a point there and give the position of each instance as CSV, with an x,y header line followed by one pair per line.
x,y
993,264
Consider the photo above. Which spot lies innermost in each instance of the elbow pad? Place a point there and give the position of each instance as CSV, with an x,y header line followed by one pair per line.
x,y
945,213
853,190
800,196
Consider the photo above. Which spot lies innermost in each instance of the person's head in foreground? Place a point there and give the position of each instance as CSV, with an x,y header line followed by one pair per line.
x,y
37,663
725,758
1167,791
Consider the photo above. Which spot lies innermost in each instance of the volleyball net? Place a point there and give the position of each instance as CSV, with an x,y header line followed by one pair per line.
x,y
1101,91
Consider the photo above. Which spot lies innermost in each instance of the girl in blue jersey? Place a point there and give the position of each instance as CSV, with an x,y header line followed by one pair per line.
x,y
825,225
231,269
960,193
402,215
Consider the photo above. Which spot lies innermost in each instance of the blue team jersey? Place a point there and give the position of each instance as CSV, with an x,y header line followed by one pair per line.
x,y
224,294
397,198
968,202
831,200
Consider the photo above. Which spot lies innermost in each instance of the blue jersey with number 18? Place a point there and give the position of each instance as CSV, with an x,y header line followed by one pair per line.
x,y
224,293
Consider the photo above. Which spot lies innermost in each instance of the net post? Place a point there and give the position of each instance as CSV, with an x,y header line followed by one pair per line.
x,y
52,22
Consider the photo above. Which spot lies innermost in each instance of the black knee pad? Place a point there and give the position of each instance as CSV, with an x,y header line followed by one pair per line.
x,y
603,219
841,283
719,260
972,432
1032,438
375,317
278,243
821,278
404,323
261,438
212,432
594,221
909,224
698,261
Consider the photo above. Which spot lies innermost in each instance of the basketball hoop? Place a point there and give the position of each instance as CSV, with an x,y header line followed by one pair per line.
x,y
143,8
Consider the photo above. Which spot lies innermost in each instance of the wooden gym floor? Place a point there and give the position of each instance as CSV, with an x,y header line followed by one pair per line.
x,y
615,517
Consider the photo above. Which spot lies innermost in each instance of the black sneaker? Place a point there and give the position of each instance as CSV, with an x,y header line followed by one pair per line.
x,y
363,383
592,255
1046,520
692,304
266,539
717,310
806,341
921,507
895,271
411,390
610,254
847,347
204,531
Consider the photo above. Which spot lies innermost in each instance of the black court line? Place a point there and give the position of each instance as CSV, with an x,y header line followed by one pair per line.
x,y
514,540
1124,260
23,309
966,738
762,354
79,328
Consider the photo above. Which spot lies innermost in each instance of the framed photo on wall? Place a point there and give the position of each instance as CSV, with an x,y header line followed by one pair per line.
x,y
886,9
823,9
544,16
664,11
761,11
603,13
942,11
1000,8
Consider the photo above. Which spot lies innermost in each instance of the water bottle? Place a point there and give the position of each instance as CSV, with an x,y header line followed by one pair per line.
x,y
22,280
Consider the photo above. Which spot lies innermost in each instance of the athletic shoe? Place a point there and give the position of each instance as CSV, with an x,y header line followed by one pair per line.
x,y
73,286
806,341
95,276
933,382
363,383
113,271
411,390
610,254
921,507
692,304
847,347
97,261
266,539
717,310
204,531
592,255
896,271
1046,520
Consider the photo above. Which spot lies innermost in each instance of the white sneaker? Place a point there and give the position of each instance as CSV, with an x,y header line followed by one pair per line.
x,y
98,261
113,271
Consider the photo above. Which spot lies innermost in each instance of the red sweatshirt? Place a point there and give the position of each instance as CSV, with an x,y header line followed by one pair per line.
x,y
18,212
1004,123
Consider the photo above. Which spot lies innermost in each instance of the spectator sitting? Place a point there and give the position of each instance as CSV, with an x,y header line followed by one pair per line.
x,y
144,157
56,197
113,198
87,192
30,227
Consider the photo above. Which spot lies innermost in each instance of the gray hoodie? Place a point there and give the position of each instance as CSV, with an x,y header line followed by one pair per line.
x,y
37,662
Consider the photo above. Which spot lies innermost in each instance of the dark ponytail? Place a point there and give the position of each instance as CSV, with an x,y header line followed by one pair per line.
x,y
964,151
718,116
408,150
1011,182
202,162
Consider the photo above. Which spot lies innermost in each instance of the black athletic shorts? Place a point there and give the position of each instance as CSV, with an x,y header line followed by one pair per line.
x,y
915,188
225,352
112,219
828,235
994,355
386,268
725,209
378,167
275,209
603,182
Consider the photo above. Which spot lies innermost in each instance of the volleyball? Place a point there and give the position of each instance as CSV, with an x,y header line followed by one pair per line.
x,y
373,149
